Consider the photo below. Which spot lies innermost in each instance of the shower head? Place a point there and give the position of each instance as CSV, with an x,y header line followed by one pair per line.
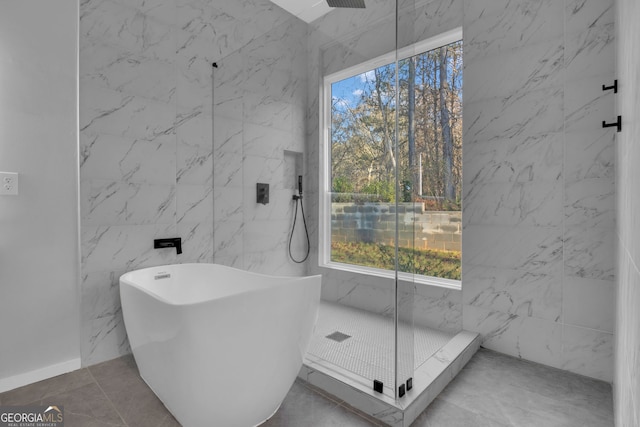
x,y
346,3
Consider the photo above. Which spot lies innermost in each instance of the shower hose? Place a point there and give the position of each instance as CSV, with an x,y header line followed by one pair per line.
x,y
293,228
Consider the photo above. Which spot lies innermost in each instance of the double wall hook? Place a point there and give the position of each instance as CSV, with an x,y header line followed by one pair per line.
x,y
618,122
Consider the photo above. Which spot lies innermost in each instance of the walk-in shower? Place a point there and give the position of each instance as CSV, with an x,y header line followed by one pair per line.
x,y
365,104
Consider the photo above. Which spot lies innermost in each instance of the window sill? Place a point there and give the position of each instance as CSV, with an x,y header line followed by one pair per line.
x,y
390,274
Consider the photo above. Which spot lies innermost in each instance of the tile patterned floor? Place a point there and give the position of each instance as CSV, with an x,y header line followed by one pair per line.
x,y
492,390
368,353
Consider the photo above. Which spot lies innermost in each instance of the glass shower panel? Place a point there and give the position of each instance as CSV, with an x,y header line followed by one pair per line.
x,y
430,56
371,234
356,65
405,206
362,184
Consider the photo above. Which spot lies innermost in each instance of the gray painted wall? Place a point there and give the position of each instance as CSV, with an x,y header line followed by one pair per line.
x,y
627,346
39,318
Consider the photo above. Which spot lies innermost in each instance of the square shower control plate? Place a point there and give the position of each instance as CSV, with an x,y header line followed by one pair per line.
x,y
8,184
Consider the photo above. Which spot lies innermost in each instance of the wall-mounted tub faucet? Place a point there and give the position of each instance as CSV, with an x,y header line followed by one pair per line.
x,y
174,242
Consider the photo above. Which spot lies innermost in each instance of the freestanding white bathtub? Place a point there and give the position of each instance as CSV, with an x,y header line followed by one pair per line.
x,y
218,346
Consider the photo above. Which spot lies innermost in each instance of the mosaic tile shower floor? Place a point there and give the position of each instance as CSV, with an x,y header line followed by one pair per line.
x,y
368,353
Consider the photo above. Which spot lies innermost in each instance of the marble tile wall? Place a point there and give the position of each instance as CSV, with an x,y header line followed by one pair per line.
x,y
150,165
627,344
259,100
539,181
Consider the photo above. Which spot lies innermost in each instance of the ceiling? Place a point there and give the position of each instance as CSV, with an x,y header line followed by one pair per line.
x,y
307,10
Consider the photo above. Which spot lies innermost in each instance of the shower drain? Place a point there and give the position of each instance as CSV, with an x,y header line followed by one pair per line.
x,y
338,336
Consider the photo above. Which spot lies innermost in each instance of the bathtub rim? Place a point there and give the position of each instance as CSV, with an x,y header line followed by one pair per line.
x,y
128,282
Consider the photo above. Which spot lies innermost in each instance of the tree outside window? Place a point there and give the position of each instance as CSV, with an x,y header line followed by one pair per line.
x,y
364,161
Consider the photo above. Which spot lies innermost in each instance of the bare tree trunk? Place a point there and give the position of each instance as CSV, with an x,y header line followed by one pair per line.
x,y
385,115
411,125
447,140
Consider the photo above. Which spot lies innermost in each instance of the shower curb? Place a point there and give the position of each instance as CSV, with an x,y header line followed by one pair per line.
x,y
429,380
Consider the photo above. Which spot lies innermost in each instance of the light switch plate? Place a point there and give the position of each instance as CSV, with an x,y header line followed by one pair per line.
x,y
8,183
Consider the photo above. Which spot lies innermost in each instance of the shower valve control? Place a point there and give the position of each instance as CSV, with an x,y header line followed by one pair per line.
x,y
8,183
262,193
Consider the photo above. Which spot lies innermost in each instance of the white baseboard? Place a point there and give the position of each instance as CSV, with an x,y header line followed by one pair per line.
x,y
20,380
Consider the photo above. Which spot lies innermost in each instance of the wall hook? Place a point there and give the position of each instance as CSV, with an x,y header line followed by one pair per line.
x,y
617,123
614,87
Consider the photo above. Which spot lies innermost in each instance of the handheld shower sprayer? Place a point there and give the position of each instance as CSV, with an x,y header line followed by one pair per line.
x,y
297,198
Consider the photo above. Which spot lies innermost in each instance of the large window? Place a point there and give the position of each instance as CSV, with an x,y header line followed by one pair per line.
x,y
371,184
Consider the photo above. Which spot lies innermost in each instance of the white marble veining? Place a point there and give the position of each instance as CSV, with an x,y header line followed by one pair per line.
x,y
111,157
227,204
533,203
587,351
128,72
195,203
227,132
374,41
584,99
193,86
420,20
126,27
590,203
103,339
206,29
513,291
194,165
228,238
194,127
171,146
539,181
101,317
590,53
537,112
543,62
197,238
515,159
117,247
115,113
267,112
266,142
531,338
340,24
589,155
588,252
533,249
228,170
581,14
437,308
121,203
495,26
